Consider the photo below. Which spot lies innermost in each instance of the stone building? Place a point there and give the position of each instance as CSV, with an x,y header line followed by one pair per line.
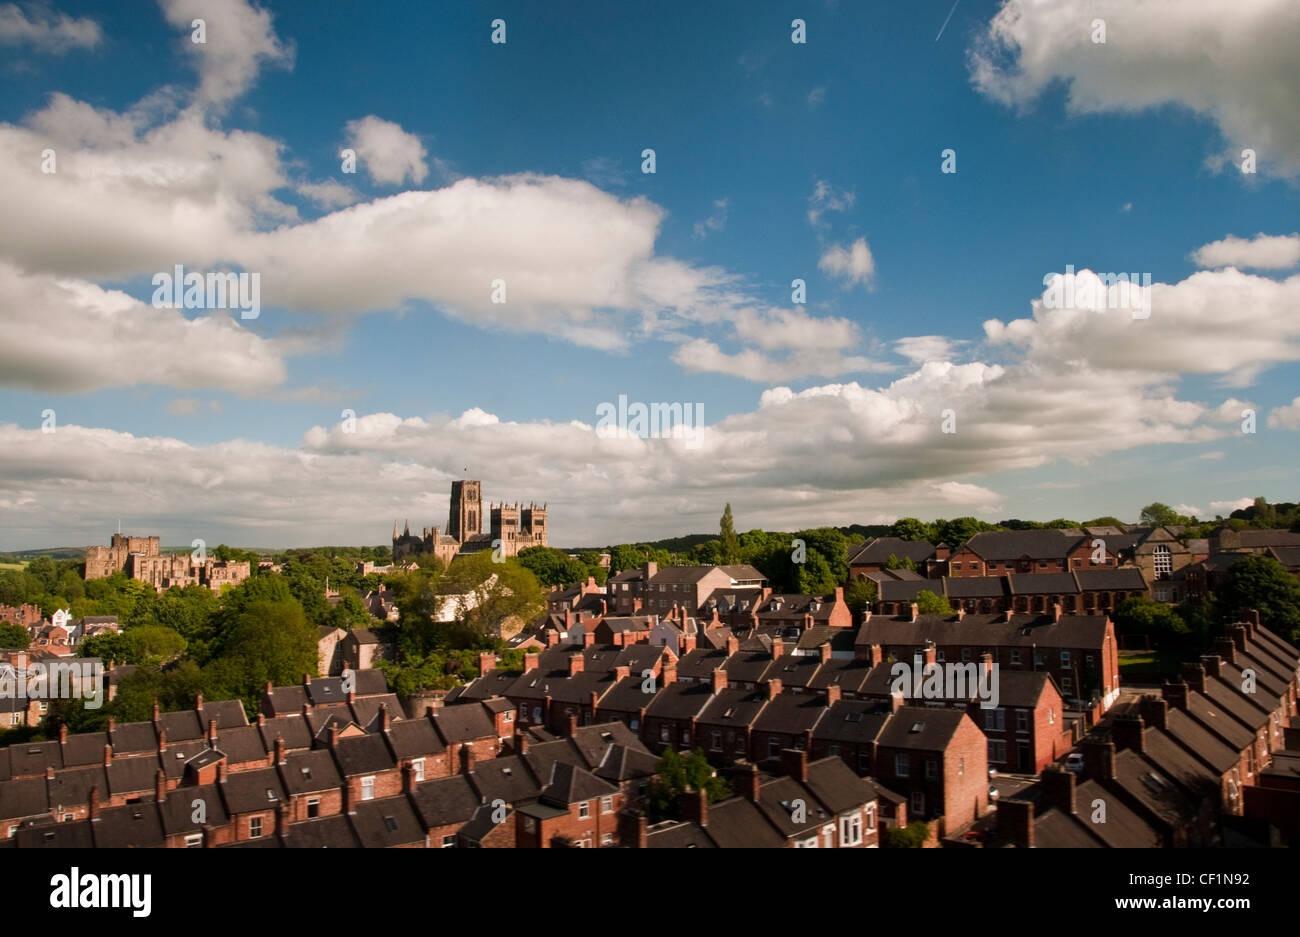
x,y
511,528
142,558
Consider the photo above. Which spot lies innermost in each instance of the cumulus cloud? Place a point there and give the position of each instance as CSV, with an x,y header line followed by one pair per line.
x,y
328,194
46,31
1221,322
389,153
1224,508
66,335
1286,417
239,41
853,264
1236,68
1262,252
923,348
715,222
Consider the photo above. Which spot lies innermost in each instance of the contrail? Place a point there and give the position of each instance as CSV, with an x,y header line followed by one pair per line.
x,y
945,22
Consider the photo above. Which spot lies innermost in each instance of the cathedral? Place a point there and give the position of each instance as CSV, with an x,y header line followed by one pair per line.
x,y
514,526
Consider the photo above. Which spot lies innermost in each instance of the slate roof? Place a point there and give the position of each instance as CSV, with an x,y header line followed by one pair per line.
x,y
1046,544
879,549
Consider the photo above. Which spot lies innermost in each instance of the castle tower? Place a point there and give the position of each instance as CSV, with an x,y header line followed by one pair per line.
x,y
505,523
466,517
533,523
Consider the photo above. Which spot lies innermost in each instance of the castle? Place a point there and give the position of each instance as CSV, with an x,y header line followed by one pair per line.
x,y
516,528
142,558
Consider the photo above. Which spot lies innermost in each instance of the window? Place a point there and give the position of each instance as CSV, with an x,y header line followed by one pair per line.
x,y
607,839
584,810
255,827
851,830
665,734
997,753
16,719
194,841
449,842
864,762
1015,655
508,716
902,768
940,657
833,751
931,769
1065,658
871,818
716,736
995,719
1067,684
686,736
918,803
417,767
809,843
965,655
313,808
368,788
1162,561
607,804
956,566
1022,720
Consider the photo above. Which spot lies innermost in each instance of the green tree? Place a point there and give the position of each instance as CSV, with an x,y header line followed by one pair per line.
x,y
675,773
1261,583
859,595
729,543
1157,514
929,603
14,637
912,836
553,567
909,528
1137,615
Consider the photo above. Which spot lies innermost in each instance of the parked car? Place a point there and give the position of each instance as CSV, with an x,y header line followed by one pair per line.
x,y
1074,762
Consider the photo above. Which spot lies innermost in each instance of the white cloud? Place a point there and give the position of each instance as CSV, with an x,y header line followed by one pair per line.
x,y
853,264
328,194
1286,417
1237,68
64,335
817,96
389,153
46,31
826,197
1262,252
922,348
239,41
1224,508
715,222
1188,510
1221,322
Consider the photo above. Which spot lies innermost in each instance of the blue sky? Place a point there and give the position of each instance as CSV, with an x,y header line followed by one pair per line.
x,y
773,158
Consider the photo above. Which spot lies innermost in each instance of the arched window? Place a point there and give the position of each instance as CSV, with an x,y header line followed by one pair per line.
x,y
1163,561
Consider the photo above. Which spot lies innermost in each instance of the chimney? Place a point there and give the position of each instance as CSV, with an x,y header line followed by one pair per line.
x,y
733,644
745,779
269,687
408,778
261,719
306,679
1127,731
568,618
521,743
695,806
719,680
668,674
1016,822
593,700
604,608
1155,712
1213,664
961,611
1098,759
306,710
773,688
282,820
531,659
108,755
552,638
279,750
212,732
198,702
649,570
223,771
1226,648
794,763
487,662
1194,676
632,825
94,802
576,661
334,735
1011,614
916,611
778,647
1058,788
572,725
467,757
987,660
162,741
839,595
833,694
622,672
688,642
112,724
155,711
63,734
384,720
1056,611
931,654
589,637
896,701
1175,694
1238,634
159,786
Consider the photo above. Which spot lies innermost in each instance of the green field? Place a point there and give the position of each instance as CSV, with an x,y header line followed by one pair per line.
x,y
4,566
1147,664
